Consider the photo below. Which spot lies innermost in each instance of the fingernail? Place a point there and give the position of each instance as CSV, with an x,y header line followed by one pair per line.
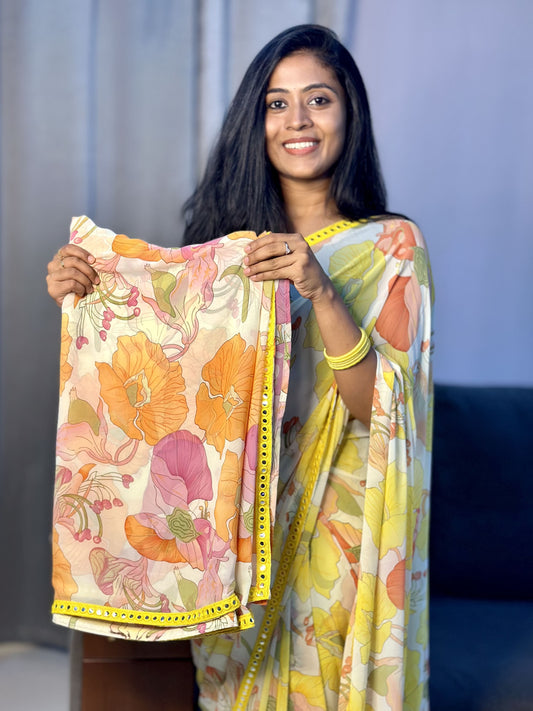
x,y
247,271
91,259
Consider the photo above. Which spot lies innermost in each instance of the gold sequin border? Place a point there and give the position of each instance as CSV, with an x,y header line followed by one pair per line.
x,y
261,590
142,617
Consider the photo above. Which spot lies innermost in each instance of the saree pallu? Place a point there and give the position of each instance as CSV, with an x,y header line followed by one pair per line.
x,y
346,626
173,383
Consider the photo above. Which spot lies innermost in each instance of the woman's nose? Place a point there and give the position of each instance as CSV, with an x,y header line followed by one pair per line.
x,y
299,117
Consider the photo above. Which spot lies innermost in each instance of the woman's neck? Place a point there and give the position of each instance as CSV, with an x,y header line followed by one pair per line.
x,y
308,205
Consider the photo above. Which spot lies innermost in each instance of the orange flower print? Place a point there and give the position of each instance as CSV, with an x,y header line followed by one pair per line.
x,y
141,389
398,321
398,239
396,585
222,405
228,499
65,369
139,249
62,580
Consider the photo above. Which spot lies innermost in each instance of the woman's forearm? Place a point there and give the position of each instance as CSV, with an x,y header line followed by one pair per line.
x,y
340,334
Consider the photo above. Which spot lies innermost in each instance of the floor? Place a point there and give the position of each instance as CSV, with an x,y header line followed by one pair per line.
x,y
33,678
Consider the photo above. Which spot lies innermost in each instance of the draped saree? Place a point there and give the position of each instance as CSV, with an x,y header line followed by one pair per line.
x,y
346,625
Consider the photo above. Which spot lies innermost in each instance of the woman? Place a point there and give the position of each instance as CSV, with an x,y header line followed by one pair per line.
x,y
346,626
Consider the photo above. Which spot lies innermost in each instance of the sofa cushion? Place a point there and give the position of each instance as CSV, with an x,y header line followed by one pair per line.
x,y
481,654
482,492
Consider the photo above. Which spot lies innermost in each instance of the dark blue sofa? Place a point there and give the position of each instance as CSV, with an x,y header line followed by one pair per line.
x,y
481,559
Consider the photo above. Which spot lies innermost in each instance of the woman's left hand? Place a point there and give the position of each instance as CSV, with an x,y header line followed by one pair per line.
x,y
286,256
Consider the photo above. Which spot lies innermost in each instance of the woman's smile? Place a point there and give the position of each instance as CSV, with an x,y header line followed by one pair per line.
x,y
301,146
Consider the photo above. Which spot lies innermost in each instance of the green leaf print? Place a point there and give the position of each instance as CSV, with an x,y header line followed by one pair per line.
x,y
238,270
377,679
188,592
163,284
180,524
249,519
421,266
81,411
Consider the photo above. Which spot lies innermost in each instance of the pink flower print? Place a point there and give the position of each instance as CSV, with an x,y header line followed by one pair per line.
x,y
179,469
85,431
126,582
179,298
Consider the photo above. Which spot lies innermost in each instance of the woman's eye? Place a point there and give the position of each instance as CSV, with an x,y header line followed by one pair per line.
x,y
276,104
319,101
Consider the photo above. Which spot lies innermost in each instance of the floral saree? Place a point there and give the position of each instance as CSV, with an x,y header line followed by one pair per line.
x,y
173,383
346,624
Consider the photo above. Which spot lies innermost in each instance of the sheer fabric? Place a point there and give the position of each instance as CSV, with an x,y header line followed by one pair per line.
x,y
173,383
346,626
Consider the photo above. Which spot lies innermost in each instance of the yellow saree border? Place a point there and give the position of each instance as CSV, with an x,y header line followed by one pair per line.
x,y
288,555
142,617
330,230
262,526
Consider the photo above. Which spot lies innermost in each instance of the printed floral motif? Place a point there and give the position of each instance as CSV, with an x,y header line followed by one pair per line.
x,y
180,475
142,389
65,369
158,436
222,403
179,297
126,582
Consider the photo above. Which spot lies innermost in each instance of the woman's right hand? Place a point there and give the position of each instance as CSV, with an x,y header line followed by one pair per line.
x,y
70,271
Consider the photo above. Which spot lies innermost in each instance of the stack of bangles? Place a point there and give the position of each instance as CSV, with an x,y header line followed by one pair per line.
x,y
353,357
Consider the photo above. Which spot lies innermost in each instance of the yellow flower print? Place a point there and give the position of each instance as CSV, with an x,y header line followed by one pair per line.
x,y
306,692
330,631
324,558
141,389
386,514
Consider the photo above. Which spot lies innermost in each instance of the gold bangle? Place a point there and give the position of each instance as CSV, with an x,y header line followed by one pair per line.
x,y
353,357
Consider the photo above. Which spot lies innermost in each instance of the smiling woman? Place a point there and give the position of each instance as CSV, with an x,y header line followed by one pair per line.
x,y
345,626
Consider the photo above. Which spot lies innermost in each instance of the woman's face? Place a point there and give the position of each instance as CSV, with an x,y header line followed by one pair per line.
x,y
305,123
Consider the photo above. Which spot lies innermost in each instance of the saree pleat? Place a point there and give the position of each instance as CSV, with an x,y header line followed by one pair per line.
x,y
346,625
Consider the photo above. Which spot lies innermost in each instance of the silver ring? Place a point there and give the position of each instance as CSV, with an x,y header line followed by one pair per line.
x,y
288,250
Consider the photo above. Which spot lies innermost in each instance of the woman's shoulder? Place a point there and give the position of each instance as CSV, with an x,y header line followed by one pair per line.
x,y
399,229
396,236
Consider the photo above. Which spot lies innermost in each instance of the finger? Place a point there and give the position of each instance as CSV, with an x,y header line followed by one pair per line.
x,y
76,264
73,250
275,268
67,279
269,250
270,274
58,289
62,263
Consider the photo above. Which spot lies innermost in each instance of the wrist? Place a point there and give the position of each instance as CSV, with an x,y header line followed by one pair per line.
x,y
325,297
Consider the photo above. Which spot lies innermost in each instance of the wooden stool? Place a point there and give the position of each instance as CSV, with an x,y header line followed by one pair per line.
x,y
108,674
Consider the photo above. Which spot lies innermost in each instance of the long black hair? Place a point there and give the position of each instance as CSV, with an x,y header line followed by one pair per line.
x,y
240,190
